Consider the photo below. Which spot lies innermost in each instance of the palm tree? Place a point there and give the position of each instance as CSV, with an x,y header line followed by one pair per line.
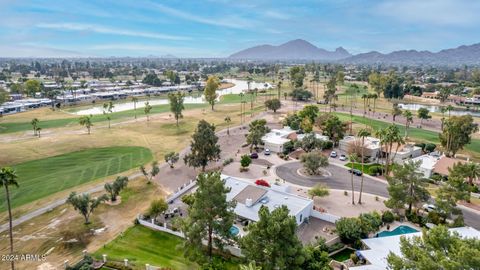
x,y
408,120
364,97
352,157
362,134
472,171
8,177
279,89
107,110
392,136
34,124
374,96
228,120
134,100
449,109
147,110
443,110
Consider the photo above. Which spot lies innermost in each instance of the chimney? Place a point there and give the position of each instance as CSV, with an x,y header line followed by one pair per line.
x,y
248,202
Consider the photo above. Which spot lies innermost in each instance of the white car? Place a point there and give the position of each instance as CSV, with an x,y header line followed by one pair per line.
x,y
429,207
267,152
343,157
333,154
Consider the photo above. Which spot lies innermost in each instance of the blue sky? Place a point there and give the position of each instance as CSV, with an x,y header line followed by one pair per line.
x,y
217,28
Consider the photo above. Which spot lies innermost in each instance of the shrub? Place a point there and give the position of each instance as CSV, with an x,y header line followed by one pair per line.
x,y
345,193
430,147
414,218
434,217
350,230
335,247
421,145
245,161
261,182
243,169
458,222
375,170
388,216
371,221
354,258
328,145
288,147
227,161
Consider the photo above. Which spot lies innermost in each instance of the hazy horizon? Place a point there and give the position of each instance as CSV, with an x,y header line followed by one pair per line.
x,y
218,28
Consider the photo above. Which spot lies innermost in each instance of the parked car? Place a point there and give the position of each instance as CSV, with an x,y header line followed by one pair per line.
x,y
429,207
356,172
333,154
343,157
254,155
267,152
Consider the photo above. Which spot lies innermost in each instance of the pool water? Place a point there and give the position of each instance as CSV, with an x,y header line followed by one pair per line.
x,y
402,229
234,230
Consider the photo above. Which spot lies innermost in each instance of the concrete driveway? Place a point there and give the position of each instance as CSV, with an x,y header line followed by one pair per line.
x,y
340,179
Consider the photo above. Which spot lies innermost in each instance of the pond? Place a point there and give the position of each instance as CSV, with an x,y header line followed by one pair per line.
x,y
436,109
342,255
239,87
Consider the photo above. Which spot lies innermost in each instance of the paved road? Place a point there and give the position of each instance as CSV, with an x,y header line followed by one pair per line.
x,y
341,179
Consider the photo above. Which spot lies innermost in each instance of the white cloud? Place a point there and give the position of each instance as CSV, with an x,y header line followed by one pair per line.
x,y
107,30
228,21
276,15
434,12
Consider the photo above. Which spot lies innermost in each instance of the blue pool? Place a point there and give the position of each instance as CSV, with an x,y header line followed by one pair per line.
x,y
234,230
402,229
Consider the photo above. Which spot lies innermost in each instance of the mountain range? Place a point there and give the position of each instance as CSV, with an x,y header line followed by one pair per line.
x,y
303,50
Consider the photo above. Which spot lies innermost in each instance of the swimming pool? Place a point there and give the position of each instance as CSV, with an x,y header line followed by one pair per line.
x,y
402,229
234,230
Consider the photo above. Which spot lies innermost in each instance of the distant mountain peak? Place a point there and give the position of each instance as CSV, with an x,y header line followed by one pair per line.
x,y
297,49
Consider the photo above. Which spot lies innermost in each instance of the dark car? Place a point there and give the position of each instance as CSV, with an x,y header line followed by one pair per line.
x,y
253,155
356,172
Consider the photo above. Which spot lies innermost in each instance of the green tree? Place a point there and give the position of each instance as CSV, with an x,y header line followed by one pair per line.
x,y
85,204
171,158
250,266
350,230
203,147
176,104
453,190
32,87
313,161
306,125
34,124
210,217
340,77
107,110
316,256
390,137
86,121
437,248
157,207
408,121
332,127
457,131
292,121
310,142
423,113
363,133
147,110
406,186
154,170
319,190
273,104
469,170
297,75
210,91
272,241
377,82
114,188
3,96
8,177
257,129
310,112
245,161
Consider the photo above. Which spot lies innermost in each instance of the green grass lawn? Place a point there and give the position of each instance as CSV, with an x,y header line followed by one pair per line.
x,y
10,127
358,166
418,134
43,177
141,245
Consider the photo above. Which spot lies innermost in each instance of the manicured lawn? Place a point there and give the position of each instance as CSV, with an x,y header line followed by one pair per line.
x,y
141,245
358,166
418,134
10,127
43,177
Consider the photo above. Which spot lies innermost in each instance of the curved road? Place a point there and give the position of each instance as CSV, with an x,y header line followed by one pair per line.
x,y
341,178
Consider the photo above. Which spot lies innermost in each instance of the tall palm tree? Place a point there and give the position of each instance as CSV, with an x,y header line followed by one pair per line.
x,y
449,109
8,177
392,136
363,133
228,120
364,97
279,89
374,96
472,171
135,100
408,120
352,157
